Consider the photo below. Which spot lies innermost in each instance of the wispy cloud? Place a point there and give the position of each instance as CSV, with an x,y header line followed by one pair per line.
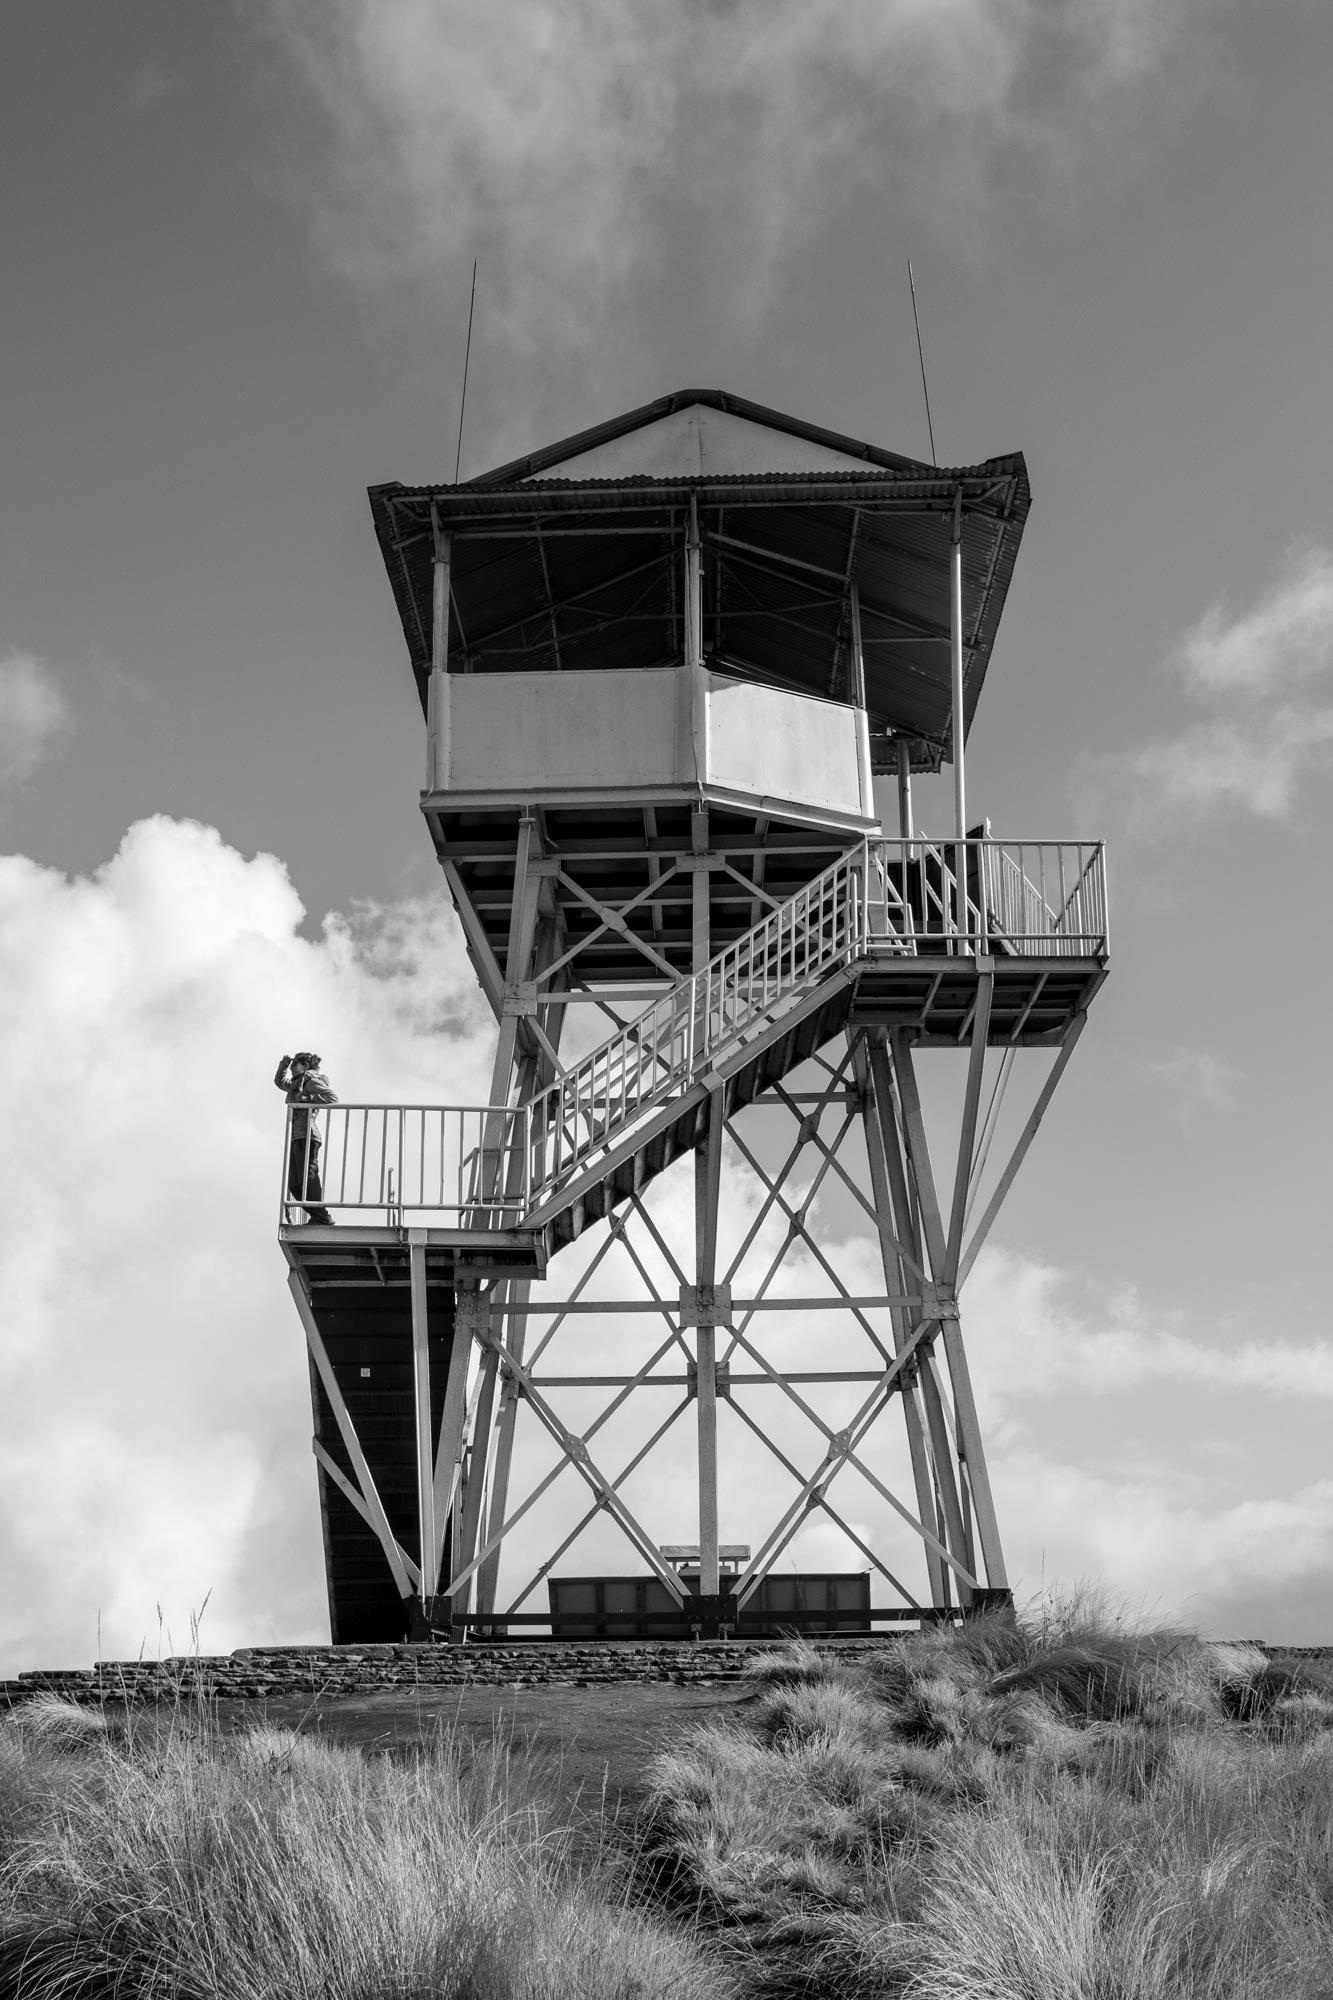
x,y
1256,669
582,145
150,84
1194,1079
34,715
1284,637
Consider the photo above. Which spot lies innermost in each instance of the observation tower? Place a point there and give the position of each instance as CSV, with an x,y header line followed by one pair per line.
x,y
726,1187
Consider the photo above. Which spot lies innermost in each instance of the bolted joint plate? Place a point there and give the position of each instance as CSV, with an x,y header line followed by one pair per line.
x,y
520,998
705,1305
472,1316
711,1615
721,1379
938,1302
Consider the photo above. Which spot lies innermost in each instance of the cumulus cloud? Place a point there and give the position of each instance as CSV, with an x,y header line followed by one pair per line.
x,y
1172,1544
154,1421
1181,1532
568,144
34,715
1267,728
1038,1339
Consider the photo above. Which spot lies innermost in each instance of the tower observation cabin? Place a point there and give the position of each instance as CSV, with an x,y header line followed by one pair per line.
x,y
696,1266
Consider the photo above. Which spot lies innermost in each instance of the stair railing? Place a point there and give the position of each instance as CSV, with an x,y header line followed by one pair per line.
x,y
489,1165
677,1036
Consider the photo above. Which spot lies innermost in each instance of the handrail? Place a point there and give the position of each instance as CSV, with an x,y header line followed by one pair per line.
x,y
1020,898
399,1160
677,1035
488,1165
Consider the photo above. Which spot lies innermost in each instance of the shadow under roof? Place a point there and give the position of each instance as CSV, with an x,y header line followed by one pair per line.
x,y
571,559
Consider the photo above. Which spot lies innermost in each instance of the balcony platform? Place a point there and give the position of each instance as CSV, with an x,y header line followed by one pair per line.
x,y
368,1254
1033,1000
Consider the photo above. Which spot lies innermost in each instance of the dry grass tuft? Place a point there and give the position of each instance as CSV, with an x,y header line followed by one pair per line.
x,y
59,1724
203,1868
1046,1810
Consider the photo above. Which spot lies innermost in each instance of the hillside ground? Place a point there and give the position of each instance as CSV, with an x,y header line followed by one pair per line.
x,y
1060,1809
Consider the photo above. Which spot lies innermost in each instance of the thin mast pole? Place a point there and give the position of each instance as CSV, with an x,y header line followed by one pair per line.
x,y
956,649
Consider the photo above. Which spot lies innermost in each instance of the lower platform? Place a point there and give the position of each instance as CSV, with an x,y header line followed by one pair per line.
x,y
1033,1000
355,1252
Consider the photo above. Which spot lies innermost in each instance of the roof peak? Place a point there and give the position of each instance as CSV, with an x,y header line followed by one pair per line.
x,y
737,431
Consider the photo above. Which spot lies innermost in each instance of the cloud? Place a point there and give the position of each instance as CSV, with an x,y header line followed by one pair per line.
x,y
1178,1522
579,147
1195,1078
1034,1338
1284,638
154,1420
34,715
1162,1540
151,83
1268,729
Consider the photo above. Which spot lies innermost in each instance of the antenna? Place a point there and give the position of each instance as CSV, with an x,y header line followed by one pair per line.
x,y
467,356
920,357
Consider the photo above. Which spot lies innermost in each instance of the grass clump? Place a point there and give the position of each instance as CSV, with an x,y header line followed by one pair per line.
x,y
179,1862
1044,1809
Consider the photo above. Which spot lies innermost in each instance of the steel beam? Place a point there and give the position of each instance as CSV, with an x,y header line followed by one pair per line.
x,y
425,1443
970,1450
895,1278
707,1189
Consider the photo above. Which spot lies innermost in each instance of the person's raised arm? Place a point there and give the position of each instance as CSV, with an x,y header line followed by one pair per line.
x,y
280,1074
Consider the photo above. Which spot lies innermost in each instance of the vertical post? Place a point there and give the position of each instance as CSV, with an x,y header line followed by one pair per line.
x,y
858,696
522,929
905,826
875,1109
694,604
958,721
944,1269
416,1251
707,1187
488,1574
471,1318
436,697
956,651
694,646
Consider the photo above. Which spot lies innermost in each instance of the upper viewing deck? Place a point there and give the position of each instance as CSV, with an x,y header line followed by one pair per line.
x,y
706,529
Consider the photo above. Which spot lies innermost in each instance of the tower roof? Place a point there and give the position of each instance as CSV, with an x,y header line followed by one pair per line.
x,y
570,558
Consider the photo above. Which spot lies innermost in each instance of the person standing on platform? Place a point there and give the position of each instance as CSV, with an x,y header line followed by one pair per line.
x,y
302,1081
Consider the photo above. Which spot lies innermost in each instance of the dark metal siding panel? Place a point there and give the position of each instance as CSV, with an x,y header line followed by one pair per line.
x,y
578,1604
371,1327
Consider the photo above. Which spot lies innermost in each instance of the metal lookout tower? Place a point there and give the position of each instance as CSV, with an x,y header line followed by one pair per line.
x,y
661,665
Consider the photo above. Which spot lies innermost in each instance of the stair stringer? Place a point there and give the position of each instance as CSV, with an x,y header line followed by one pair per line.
x,y
676,1126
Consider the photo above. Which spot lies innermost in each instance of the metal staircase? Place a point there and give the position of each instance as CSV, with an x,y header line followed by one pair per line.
x,y
897,926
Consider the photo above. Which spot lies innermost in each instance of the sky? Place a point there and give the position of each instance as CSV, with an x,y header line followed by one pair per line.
x,y
238,243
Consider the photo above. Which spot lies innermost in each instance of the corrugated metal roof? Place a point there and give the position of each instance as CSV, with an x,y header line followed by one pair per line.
x,y
682,399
